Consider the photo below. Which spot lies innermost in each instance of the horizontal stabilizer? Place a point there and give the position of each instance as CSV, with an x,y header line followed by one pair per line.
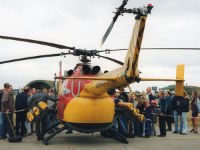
x,y
159,79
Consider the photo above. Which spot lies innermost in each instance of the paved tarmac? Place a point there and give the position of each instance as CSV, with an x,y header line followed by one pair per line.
x,y
79,141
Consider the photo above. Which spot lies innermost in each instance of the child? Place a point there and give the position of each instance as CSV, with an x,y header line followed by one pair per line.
x,y
138,126
154,118
148,117
130,123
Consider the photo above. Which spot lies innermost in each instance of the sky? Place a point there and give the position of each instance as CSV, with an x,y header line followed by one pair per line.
x,y
173,23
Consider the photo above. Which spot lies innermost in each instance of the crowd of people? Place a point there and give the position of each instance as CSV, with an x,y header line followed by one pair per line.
x,y
25,100
162,106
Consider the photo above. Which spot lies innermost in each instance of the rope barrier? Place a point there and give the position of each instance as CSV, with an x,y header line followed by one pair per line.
x,y
21,110
167,116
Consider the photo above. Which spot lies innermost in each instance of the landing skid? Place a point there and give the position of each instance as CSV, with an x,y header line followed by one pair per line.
x,y
45,140
114,134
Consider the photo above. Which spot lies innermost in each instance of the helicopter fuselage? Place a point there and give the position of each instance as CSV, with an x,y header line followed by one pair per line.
x,y
84,113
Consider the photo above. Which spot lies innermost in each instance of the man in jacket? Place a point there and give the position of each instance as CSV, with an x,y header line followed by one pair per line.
x,y
176,111
21,104
7,106
184,109
169,118
149,94
124,97
163,109
2,134
41,123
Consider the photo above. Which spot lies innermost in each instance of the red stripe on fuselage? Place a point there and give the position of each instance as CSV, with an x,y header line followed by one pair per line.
x,y
71,89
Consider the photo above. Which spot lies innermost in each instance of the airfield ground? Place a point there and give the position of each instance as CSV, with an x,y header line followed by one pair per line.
x,y
79,141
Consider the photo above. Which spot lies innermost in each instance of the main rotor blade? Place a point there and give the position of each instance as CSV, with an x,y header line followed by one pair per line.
x,y
33,57
113,21
111,59
157,48
110,50
37,42
107,32
170,48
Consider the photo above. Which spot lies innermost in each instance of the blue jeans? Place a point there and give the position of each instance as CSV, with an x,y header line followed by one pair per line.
x,y
147,128
48,120
136,128
1,125
6,125
153,128
130,127
122,125
175,120
140,128
183,125
28,127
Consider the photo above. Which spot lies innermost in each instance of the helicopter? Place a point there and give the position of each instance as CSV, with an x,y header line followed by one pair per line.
x,y
84,104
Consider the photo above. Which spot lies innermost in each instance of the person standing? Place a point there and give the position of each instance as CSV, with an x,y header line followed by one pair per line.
x,y
149,94
176,111
194,109
30,125
124,97
163,108
41,126
140,125
169,117
154,117
130,130
148,117
21,106
7,106
184,110
2,134
51,116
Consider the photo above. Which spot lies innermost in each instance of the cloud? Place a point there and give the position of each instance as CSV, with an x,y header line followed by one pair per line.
x,y
83,23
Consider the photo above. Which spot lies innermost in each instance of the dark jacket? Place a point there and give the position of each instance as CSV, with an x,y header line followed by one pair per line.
x,y
151,97
184,106
169,100
141,108
148,113
37,97
21,101
163,105
7,102
176,103
123,96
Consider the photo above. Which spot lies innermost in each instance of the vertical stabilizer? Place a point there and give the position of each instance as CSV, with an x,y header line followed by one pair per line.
x,y
179,76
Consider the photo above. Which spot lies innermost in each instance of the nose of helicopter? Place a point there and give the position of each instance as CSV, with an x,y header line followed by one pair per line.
x,y
82,110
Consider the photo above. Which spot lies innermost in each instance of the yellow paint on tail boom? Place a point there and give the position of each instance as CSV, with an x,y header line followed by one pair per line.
x,y
132,57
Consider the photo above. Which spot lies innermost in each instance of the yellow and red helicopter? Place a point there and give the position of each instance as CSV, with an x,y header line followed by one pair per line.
x,y
84,104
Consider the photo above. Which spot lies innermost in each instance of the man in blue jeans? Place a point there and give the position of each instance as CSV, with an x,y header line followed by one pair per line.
x,y
184,109
176,105
2,134
7,107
